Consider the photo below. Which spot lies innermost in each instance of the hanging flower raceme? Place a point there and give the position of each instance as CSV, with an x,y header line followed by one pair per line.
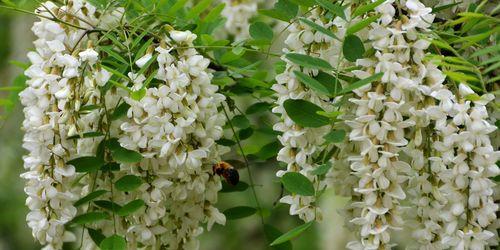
x,y
470,161
72,110
302,145
51,102
381,120
238,14
175,126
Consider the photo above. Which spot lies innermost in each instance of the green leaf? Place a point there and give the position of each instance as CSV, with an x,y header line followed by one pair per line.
x,y
312,83
353,48
123,155
321,170
245,133
130,207
258,107
197,9
114,40
459,76
366,8
492,67
108,205
111,166
89,197
113,242
319,28
490,60
139,94
239,187
269,150
308,61
240,121
305,114
225,142
305,3
114,54
272,234
297,183
329,81
361,83
176,7
96,235
444,7
476,38
90,217
239,212
283,10
334,8
335,136
86,164
292,234
128,183
261,31
120,111
486,50
362,24
214,13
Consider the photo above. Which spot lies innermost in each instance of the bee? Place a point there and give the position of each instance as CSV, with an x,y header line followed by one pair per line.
x,y
227,171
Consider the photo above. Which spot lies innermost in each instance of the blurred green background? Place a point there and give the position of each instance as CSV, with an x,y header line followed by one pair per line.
x,y
15,40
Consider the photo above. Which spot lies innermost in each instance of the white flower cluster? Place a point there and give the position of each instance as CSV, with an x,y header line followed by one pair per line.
x,y
402,127
51,100
238,14
175,126
302,145
385,112
467,161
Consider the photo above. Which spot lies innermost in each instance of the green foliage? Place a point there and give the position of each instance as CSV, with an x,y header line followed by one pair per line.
x,y
114,242
89,217
308,61
361,83
333,8
239,212
86,164
292,234
312,83
261,31
130,207
335,136
319,28
283,10
90,197
240,187
305,113
297,183
128,183
353,48
322,170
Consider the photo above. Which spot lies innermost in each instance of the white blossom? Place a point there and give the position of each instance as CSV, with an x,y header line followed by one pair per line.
x,y
175,126
301,145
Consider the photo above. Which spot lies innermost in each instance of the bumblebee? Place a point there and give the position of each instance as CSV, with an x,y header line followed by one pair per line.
x,y
227,171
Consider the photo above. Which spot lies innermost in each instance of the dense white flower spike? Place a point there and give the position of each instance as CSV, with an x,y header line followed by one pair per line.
x,y
175,126
51,100
238,14
470,160
301,145
384,113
